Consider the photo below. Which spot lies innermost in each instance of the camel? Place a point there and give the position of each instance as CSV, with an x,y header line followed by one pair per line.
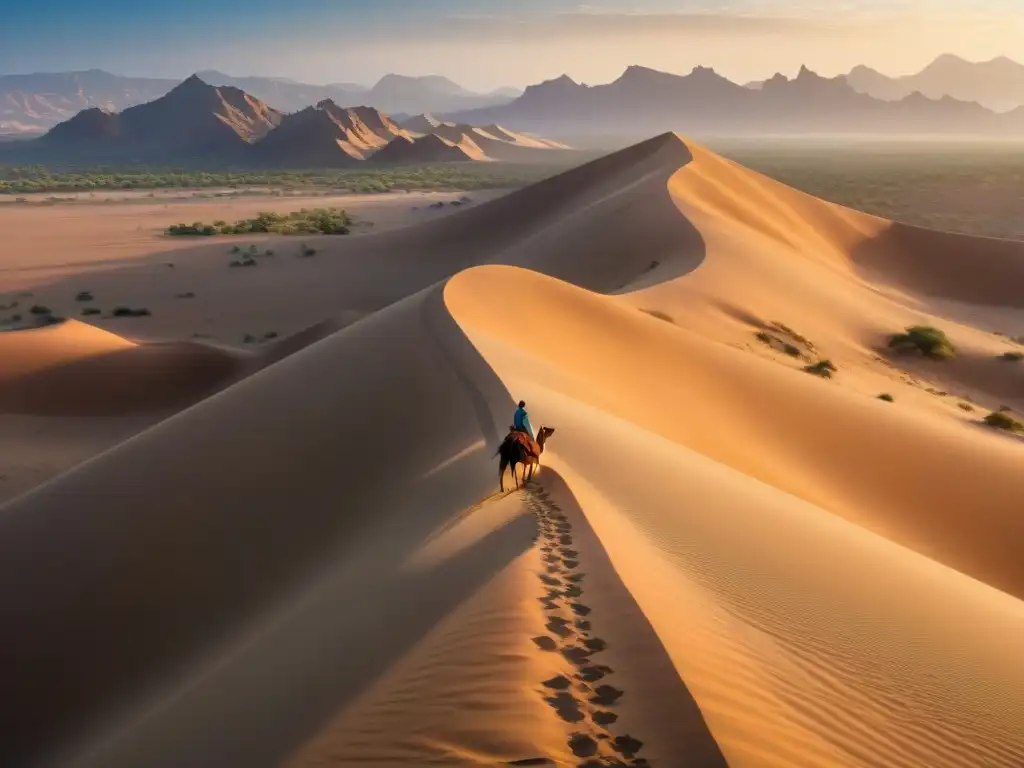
x,y
514,451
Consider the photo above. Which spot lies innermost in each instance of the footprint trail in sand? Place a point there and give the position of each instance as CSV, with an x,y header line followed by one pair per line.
x,y
583,695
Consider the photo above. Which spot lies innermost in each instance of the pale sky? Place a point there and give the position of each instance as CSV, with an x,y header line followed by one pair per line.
x,y
483,44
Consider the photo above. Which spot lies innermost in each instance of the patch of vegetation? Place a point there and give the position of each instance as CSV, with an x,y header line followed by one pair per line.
x,y
130,312
887,397
822,368
305,251
930,342
1012,357
83,296
186,295
17,180
965,407
244,260
193,230
39,309
660,315
88,311
775,342
270,335
308,221
1004,421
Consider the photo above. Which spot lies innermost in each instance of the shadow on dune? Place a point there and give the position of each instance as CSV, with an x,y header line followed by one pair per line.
x,y
278,686
122,573
665,705
123,381
968,268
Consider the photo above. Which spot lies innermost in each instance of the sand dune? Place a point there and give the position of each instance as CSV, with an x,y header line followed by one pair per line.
x,y
725,560
74,369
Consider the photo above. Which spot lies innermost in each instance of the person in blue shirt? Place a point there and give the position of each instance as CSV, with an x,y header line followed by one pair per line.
x,y
521,420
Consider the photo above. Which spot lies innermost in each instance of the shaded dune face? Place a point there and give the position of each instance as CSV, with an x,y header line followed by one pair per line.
x,y
725,560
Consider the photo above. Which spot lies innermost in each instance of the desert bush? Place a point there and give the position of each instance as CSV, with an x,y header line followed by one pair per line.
x,y
244,261
1012,357
270,335
965,407
130,312
198,229
930,342
1004,421
306,251
248,339
39,309
83,296
90,311
236,249
186,295
822,368
779,344
887,397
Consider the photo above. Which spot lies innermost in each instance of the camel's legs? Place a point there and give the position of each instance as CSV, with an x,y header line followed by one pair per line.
x,y
501,473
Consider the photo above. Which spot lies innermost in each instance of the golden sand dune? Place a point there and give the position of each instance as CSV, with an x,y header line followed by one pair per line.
x,y
724,561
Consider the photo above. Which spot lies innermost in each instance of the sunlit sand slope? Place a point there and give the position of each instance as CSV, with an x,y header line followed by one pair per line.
x,y
806,639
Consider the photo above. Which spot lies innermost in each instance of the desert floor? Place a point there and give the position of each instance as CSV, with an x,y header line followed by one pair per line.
x,y
261,526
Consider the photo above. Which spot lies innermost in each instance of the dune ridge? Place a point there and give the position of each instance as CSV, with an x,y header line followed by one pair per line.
x,y
776,570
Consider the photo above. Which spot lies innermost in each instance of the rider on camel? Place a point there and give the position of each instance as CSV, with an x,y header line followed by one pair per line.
x,y
521,421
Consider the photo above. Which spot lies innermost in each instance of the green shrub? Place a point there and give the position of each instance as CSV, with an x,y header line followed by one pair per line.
x,y
83,296
1003,420
930,342
90,311
129,312
39,309
887,397
822,368
244,261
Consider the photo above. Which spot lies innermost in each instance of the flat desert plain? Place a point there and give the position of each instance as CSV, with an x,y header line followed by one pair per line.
x,y
293,551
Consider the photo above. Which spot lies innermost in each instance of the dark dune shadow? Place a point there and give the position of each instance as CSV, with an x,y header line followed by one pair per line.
x,y
672,707
121,575
978,270
263,701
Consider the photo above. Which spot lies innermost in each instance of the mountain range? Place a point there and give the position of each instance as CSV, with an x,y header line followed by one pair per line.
x,y
645,101
997,84
197,123
36,102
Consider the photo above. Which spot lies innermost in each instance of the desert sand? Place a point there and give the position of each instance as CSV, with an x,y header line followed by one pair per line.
x,y
294,553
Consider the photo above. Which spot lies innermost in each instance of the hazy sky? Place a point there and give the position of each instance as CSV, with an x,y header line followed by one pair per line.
x,y
483,43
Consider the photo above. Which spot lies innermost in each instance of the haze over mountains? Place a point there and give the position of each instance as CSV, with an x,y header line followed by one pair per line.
x,y
36,102
644,101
